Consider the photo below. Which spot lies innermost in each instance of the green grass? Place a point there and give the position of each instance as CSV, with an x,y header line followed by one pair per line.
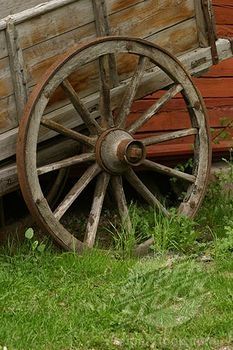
x,y
62,301
180,297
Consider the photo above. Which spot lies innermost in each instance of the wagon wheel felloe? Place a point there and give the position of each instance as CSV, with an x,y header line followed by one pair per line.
x,y
111,151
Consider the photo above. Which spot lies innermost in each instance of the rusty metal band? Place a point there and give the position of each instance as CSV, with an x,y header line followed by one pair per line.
x,y
211,28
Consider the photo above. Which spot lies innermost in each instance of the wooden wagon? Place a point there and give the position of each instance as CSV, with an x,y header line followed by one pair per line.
x,y
84,63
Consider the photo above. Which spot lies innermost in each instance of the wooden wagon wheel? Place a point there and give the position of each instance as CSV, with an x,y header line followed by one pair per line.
x,y
111,151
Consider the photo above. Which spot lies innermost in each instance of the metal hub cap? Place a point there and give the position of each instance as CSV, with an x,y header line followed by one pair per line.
x,y
116,150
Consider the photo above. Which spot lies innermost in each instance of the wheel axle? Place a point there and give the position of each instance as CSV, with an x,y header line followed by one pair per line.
x,y
116,151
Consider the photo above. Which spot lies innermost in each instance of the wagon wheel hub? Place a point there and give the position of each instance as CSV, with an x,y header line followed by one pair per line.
x,y
117,150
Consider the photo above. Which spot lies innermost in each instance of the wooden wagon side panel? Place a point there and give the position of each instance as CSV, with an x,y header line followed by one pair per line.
x,y
41,39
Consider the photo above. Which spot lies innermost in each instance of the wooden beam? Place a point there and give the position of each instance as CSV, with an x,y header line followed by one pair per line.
x,y
103,29
201,24
17,68
34,11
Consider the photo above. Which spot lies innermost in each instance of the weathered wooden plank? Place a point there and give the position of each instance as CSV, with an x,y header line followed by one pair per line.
x,y
17,68
201,25
50,49
38,10
150,17
173,39
169,38
66,17
8,115
51,25
6,86
14,6
52,153
52,5
42,26
3,45
86,81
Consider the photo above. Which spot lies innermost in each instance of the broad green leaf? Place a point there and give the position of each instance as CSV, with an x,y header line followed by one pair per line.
x,y
29,233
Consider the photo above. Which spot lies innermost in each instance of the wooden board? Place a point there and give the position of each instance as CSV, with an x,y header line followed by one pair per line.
x,y
10,7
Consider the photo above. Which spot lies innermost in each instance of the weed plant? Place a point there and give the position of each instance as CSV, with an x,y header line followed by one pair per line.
x,y
217,210
212,228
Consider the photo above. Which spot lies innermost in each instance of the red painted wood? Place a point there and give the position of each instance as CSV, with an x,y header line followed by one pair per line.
x,y
216,87
223,69
225,30
184,150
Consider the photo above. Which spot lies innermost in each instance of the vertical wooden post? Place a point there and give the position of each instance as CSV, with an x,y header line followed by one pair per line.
x,y
103,29
17,67
211,29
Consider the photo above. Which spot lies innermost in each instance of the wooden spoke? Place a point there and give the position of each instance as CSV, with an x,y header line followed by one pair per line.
x,y
105,97
131,91
91,123
169,136
144,191
57,187
78,159
50,124
97,204
119,194
75,191
113,70
168,171
174,90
